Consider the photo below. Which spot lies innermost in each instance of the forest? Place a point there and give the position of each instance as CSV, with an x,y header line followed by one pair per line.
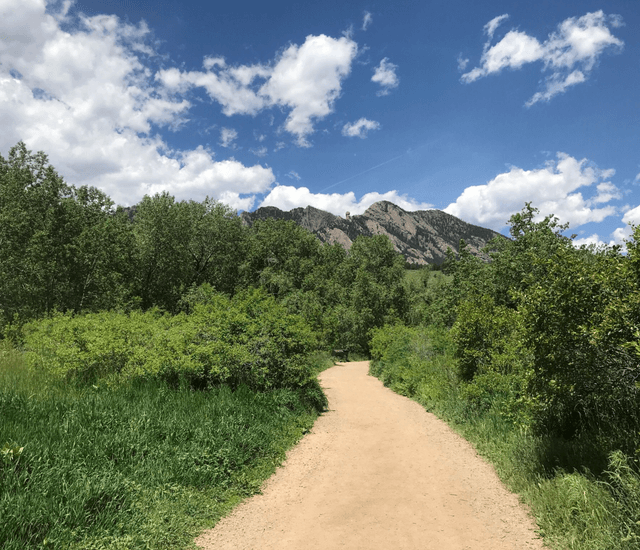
x,y
162,357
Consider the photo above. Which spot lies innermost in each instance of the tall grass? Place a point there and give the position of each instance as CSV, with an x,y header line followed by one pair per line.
x,y
580,499
141,465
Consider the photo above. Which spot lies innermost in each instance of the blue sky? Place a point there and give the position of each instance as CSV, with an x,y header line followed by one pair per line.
x,y
469,107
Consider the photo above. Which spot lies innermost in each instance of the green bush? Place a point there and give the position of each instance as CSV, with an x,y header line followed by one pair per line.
x,y
415,361
249,339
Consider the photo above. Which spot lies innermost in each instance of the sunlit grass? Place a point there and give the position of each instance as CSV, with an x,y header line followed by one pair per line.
x,y
138,466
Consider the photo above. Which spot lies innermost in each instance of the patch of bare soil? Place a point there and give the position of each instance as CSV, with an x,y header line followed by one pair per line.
x,y
377,472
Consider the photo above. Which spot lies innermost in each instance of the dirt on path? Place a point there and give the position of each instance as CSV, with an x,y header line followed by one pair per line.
x,y
377,472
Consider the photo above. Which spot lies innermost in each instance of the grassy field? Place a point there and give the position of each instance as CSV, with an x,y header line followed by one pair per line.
x,y
142,465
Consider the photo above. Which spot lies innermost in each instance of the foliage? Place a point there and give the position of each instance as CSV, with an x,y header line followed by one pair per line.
x,y
60,247
584,374
184,244
138,465
249,339
573,508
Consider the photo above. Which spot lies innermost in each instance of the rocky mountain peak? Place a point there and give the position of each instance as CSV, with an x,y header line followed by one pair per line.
x,y
422,237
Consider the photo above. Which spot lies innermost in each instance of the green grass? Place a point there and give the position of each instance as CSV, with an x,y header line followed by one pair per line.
x,y
143,465
580,499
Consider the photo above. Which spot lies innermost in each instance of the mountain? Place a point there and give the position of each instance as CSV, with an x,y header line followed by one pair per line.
x,y
422,237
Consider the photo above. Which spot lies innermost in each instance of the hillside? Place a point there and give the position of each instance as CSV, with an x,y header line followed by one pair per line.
x,y
422,237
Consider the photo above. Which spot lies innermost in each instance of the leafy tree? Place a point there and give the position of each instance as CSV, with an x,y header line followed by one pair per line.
x,y
374,274
280,256
519,261
185,244
60,247
582,320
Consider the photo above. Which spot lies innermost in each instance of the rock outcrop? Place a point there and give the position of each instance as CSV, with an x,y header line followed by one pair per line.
x,y
422,237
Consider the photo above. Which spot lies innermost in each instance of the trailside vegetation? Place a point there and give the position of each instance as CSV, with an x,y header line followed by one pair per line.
x,y
157,361
534,357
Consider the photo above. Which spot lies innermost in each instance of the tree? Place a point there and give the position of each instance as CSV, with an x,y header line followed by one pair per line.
x,y
184,244
60,247
280,256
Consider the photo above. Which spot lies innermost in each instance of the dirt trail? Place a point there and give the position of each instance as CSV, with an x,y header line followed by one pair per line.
x,y
377,472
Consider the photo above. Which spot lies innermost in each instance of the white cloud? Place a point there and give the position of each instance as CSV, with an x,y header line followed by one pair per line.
x,y
235,96
557,84
260,151
553,189
287,197
513,51
462,62
366,20
569,54
87,96
308,80
305,79
385,75
492,25
630,218
591,240
360,128
228,136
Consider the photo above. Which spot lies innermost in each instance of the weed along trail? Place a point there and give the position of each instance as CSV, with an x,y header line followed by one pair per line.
x,y
377,472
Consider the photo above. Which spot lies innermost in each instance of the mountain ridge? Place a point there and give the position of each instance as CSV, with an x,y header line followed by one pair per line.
x,y
422,236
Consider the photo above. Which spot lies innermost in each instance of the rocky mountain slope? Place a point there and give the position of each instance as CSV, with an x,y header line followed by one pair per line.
x,y
422,237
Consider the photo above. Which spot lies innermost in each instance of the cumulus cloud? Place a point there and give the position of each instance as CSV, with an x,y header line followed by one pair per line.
x,y
287,197
385,75
553,189
305,79
360,128
630,218
308,79
568,55
86,94
587,241
367,19
228,136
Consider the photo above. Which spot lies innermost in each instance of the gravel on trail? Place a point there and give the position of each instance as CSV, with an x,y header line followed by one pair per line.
x,y
377,472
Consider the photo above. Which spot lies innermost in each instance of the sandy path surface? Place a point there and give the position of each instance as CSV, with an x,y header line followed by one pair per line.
x,y
377,472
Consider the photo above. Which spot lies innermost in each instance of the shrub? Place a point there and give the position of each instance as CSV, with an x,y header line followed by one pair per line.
x,y
249,339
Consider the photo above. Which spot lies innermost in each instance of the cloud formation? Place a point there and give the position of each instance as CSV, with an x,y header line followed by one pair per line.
x,y
228,136
385,75
553,189
367,19
287,197
304,79
360,128
568,55
82,89
492,25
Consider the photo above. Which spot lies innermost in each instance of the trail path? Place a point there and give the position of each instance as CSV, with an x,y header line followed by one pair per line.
x,y
377,472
